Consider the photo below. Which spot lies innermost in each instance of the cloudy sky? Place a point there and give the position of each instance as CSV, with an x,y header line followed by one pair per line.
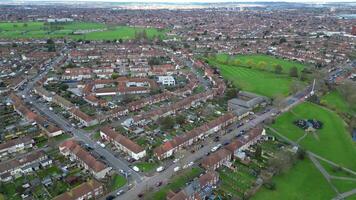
x,y
187,1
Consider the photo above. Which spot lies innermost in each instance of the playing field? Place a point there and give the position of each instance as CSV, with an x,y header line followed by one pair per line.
x,y
254,79
259,61
335,101
90,31
303,181
332,142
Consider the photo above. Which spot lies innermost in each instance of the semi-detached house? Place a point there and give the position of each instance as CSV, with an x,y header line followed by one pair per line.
x,y
16,145
122,143
75,152
22,165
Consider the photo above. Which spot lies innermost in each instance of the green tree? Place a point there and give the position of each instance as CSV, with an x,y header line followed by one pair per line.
x,y
114,75
293,72
167,123
231,93
250,63
262,65
51,46
278,69
180,119
237,62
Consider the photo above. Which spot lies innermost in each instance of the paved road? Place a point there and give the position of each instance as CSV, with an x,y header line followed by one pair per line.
x,y
164,176
114,162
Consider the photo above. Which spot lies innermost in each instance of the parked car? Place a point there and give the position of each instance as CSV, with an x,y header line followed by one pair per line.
x,y
159,184
120,192
176,169
110,197
159,169
136,169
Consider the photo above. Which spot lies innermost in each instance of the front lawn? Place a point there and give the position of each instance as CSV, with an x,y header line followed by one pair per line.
x,y
146,166
117,182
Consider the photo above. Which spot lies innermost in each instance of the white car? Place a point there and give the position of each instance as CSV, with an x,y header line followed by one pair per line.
x,y
159,169
176,169
101,144
135,168
119,193
190,164
176,160
215,148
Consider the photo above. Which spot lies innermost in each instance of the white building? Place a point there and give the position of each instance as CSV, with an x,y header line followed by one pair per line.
x,y
166,80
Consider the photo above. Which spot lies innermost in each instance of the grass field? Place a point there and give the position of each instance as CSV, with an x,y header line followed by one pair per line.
x,y
40,30
120,32
332,142
335,101
259,61
255,80
303,181
146,166
117,182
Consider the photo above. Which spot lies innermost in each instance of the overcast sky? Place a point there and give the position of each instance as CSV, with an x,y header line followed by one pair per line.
x,y
187,1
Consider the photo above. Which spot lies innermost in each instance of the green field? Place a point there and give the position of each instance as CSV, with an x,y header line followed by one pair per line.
x,y
146,166
258,61
253,79
332,142
303,181
40,30
335,101
117,182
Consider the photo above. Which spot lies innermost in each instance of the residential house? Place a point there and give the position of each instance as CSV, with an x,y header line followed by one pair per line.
x,y
122,143
75,152
16,145
84,119
21,165
91,189
168,148
216,159
199,188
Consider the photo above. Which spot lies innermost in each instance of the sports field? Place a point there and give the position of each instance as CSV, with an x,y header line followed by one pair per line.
x,y
332,142
259,61
254,79
335,101
90,31
303,181
257,81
